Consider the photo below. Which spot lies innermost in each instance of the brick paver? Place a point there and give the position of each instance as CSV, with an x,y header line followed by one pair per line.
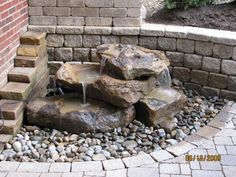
x,y
157,164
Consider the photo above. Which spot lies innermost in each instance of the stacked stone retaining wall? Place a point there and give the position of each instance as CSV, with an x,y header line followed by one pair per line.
x,y
205,59
85,12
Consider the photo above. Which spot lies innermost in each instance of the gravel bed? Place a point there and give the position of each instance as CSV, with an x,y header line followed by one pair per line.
x,y
44,145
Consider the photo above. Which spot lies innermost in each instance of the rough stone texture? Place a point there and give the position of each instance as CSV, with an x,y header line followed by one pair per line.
x,y
68,113
122,60
130,40
228,67
222,51
86,166
81,54
70,21
70,30
176,58
148,42
110,39
55,40
98,21
119,92
211,64
158,107
232,83
231,95
91,40
43,20
63,54
122,31
33,38
204,48
73,41
192,61
185,45
168,44
182,73
199,77
217,80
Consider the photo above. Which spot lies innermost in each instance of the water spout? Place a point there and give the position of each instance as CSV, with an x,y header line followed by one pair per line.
x,y
165,78
102,65
84,87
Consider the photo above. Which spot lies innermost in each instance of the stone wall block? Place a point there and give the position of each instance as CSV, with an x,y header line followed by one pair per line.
x,y
132,40
91,41
99,3
98,21
113,12
134,12
204,48
148,42
129,3
110,39
73,40
55,40
70,21
71,3
35,11
42,2
63,54
218,80
56,11
232,83
211,64
176,58
126,22
185,45
222,51
193,61
228,67
168,44
182,73
43,20
85,12
199,77
82,54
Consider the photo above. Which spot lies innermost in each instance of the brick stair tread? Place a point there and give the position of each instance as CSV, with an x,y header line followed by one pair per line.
x,y
26,61
12,109
32,38
11,126
30,50
15,91
21,74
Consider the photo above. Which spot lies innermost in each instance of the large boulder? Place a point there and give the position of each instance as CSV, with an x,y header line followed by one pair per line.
x,y
158,107
69,114
131,62
120,93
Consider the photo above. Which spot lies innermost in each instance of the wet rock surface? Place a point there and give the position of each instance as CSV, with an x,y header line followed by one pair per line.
x,y
70,114
131,62
159,106
120,93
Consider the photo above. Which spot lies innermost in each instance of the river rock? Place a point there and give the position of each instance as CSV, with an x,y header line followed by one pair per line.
x,y
120,93
131,62
70,114
159,106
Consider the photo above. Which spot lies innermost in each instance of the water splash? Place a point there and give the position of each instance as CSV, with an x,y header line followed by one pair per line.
x,y
165,78
84,87
102,65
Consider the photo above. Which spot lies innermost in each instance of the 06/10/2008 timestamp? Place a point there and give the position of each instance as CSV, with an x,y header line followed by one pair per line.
x,y
203,158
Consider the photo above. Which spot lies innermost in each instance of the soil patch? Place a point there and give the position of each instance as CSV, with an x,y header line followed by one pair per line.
x,y
212,16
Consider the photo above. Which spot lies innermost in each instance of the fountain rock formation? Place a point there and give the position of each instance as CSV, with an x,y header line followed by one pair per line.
x,y
128,78
69,113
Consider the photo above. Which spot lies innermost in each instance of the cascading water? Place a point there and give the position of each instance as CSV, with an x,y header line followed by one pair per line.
x,y
84,87
165,78
102,65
